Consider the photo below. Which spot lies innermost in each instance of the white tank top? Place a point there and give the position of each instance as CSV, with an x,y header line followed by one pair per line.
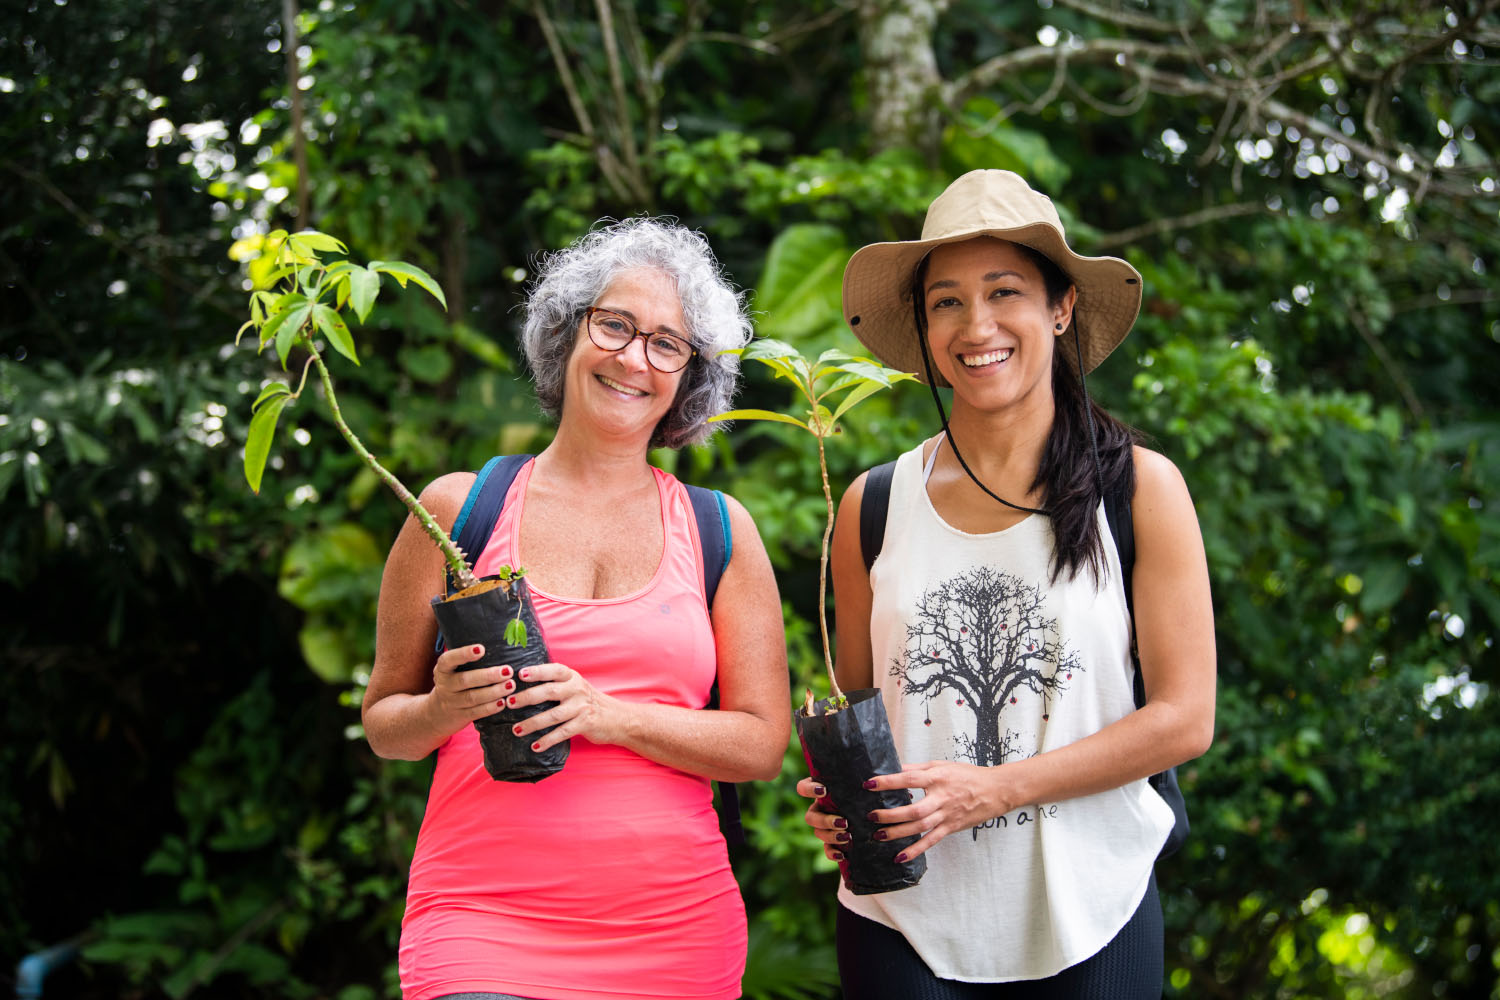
x,y
980,658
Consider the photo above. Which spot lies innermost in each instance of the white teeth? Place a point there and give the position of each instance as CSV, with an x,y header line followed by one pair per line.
x,y
979,360
621,388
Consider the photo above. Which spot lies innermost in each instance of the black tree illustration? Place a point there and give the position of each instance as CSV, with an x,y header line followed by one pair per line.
x,y
984,636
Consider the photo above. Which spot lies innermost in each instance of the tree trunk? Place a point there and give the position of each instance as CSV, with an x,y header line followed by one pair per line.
x,y
901,74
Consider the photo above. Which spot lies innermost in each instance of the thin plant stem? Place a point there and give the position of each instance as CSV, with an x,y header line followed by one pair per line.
x,y
833,684
457,566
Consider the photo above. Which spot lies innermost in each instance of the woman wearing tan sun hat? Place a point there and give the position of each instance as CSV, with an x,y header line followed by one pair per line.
x,y
993,614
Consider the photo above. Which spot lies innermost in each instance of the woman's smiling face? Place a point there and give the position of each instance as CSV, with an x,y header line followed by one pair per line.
x,y
620,390
990,326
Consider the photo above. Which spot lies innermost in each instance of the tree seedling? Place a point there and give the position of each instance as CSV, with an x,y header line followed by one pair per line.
x,y
832,385
306,300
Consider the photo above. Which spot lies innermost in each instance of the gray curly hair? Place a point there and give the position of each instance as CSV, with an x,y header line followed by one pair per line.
x,y
571,280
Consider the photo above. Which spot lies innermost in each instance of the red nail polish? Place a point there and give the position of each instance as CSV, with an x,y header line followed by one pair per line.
x,y
478,650
510,685
870,783
525,675
511,701
516,729
536,746
505,671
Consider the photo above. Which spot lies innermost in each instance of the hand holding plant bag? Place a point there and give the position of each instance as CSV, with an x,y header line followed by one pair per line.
x,y
306,300
846,739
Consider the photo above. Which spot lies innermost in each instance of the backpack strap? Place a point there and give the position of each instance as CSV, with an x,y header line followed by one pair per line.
x,y
714,536
1122,528
717,542
874,505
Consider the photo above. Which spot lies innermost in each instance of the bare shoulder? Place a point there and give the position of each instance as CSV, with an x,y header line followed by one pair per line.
x,y
444,497
1157,480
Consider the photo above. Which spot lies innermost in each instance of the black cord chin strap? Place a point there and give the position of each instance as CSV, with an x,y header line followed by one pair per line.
x,y
943,416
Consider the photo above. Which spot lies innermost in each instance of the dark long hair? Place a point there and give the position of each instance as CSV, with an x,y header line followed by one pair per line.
x,y
1087,451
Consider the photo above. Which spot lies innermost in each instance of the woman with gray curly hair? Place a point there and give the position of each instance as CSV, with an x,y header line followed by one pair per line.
x,y
611,877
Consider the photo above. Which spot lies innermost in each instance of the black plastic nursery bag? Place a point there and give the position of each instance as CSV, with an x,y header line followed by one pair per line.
x,y
843,750
481,620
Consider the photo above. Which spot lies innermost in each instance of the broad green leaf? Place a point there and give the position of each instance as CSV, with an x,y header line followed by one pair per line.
x,y
273,326
332,326
404,272
80,446
800,292
364,286
258,442
760,415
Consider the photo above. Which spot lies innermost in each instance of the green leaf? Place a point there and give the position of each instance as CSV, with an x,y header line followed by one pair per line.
x,y
320,241
767,349
290,329
515,632
274,389
781,418
332,326
800,292
258,443
856,397
404,272
364,286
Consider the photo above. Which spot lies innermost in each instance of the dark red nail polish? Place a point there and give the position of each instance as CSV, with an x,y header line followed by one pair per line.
x,y
880,835
901,859
837,856
840,823
842,838
819,791
871,817
870,784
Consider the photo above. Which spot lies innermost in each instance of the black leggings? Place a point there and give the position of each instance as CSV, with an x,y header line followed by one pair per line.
x,y
877,963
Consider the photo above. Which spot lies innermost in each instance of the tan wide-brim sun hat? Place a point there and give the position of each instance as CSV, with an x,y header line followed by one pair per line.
x,y
998,203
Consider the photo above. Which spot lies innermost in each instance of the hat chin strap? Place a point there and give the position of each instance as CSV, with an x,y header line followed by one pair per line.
x,y
943,416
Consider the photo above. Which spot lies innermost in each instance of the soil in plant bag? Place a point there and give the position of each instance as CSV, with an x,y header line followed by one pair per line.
x,y
843,750
480,619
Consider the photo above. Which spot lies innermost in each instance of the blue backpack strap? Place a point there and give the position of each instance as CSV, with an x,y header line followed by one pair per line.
x,y
476,518
714,535
717,542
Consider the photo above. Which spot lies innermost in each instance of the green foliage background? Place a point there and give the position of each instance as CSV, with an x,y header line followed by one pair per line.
x,y
183,788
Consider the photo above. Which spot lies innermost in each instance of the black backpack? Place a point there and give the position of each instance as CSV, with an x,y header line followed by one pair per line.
x,y
476,522
872,514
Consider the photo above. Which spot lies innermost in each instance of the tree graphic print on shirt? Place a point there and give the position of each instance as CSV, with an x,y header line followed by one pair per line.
x,y
984,636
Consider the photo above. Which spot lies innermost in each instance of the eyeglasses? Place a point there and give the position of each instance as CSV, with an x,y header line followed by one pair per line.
x,y
612,332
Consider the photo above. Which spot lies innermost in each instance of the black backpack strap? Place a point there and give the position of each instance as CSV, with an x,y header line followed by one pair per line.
x,y
873,508
714,536
1117,514
1122,528
476,518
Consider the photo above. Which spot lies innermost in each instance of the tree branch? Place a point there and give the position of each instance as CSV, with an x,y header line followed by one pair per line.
x,y
1159,227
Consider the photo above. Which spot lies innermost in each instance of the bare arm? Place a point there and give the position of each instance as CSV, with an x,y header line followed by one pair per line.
x,y
747,737
1174,622
411,705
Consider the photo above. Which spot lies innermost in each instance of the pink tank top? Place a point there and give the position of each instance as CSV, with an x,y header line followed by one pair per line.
x,y
609,879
